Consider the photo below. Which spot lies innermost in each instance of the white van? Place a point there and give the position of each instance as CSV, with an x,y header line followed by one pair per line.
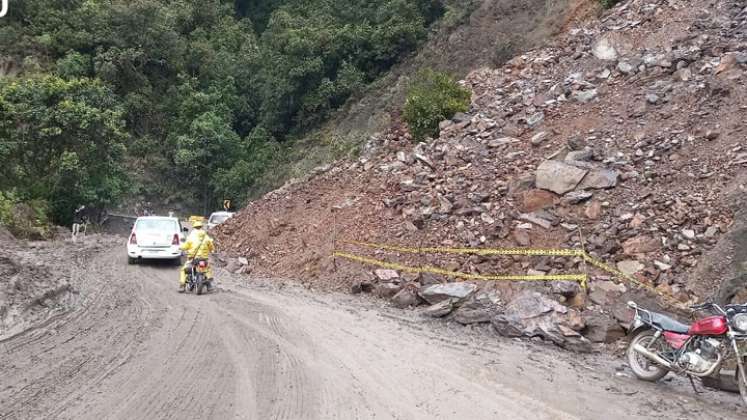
x,y
157,238
217,218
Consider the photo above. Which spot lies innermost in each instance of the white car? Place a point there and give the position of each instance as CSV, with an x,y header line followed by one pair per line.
x,y
156,238
217,218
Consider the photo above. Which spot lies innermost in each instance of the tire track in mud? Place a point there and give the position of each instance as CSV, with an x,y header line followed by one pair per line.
x,y
183,347
60,349
280,366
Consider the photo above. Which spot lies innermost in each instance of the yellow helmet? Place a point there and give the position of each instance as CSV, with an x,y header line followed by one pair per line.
x,y
197,224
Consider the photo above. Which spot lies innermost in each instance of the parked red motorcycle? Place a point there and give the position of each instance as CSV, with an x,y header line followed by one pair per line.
x,y
660,344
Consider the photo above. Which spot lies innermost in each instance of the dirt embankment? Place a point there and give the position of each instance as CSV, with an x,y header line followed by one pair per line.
x,y
624,136
37,279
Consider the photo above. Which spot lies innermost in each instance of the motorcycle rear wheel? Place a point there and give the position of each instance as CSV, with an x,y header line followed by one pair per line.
x,y
642,367
200,285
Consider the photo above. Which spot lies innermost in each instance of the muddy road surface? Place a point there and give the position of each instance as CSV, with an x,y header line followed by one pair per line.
x,y
132,348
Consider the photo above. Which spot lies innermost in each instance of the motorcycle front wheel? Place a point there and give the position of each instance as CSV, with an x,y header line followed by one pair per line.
x,y
642,367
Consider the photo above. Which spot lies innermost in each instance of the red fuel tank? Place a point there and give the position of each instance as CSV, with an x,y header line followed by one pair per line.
x,y
713,325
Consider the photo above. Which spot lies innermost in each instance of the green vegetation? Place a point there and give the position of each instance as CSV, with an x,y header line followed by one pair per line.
x,y
25,220
194,100
62,142
432,98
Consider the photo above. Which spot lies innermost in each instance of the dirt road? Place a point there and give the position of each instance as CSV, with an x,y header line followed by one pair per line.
x,y
135,349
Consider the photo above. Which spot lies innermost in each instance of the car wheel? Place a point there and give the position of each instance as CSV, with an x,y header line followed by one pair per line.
x,y
131,260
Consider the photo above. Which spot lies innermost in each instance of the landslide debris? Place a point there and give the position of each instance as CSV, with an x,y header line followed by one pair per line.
x,y
623,136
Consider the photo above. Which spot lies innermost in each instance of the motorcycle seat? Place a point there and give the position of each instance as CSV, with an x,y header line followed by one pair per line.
x,y
668,324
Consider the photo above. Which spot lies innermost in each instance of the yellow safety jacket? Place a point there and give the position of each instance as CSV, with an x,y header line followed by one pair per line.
x,y
198,245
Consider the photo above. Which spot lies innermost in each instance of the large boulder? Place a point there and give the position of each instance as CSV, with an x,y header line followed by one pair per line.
x,y
558,177
585,96
604,293
532,314
439,292
568,289
602,328
599,179
480,308
441,309
233,265
630,267
641,245
362,286
604,48
534,200
407,297
386,274
387,290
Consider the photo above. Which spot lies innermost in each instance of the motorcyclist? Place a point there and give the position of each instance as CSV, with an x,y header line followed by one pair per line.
x,y
198,245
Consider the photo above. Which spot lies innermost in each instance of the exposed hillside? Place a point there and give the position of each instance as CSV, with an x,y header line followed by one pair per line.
x,y
624,136
470,35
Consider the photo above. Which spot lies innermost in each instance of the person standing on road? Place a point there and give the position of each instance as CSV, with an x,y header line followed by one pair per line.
x,y
199,245
79,221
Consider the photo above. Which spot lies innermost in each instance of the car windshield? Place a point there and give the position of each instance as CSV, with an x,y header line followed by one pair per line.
x,y
219,218
156,225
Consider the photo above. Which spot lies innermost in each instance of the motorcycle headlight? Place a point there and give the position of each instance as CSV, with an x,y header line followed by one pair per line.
x,y
740,322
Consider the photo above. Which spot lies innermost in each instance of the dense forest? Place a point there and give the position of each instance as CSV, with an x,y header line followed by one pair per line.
x,y
105,99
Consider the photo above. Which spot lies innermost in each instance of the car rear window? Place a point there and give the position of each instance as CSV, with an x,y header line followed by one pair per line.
x,y
219,218
155,225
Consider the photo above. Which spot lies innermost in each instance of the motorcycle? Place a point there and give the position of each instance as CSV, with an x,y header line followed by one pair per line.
x,y
660,344
197,280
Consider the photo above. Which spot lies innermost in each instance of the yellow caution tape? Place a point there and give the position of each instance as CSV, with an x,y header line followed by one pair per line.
x,y
580,278
550,252
670,300
562,252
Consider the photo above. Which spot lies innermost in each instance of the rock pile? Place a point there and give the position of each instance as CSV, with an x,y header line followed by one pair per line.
x,y
620,137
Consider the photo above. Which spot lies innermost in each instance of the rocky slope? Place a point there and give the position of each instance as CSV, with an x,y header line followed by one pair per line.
x,y
624,136
473,34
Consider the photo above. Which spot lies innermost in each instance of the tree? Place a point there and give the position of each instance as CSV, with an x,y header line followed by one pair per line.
x,y
209,145
64,142
260,151
208,91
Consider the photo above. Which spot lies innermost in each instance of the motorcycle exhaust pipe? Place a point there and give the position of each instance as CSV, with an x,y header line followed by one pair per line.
x,y
652,356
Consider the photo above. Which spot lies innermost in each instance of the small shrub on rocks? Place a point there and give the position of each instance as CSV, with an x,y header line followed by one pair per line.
x,y
433,97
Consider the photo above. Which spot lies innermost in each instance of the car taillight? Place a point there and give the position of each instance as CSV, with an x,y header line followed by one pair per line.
x,y
133,239
203,264
175,241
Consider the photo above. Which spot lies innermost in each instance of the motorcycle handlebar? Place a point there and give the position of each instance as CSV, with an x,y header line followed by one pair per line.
x,y
707,305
